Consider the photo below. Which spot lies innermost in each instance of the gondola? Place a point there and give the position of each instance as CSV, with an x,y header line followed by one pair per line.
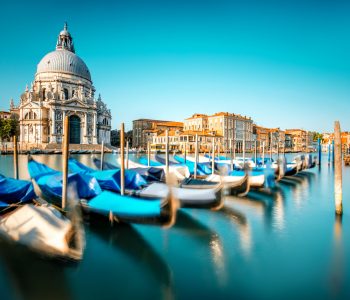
x,y
45,230
180,171
150,174
14,191
202,167
210,197
158,210
109,179
31,222
50,182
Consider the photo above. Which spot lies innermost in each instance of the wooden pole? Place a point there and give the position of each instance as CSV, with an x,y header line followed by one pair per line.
x,y
167,151
148,154
263,153
196,157
127,155
319,151
329,153
231,157
102,155
213,157
243,149
333,153
122,161
15,158
234,149
185,151
338,190
255,153
271,146
65,154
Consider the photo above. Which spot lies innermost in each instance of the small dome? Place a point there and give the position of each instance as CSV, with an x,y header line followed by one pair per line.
x,y
65,32
63,61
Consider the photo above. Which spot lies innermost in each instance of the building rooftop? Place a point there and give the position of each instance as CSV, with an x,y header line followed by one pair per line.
x,y
171,124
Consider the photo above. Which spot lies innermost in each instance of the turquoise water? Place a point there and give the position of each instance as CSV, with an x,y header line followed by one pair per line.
x,y
283,246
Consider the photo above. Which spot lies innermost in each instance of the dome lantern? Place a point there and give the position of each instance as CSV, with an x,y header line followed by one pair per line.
x,y
65,40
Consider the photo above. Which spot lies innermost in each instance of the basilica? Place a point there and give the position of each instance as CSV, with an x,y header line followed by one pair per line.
x,y
62,87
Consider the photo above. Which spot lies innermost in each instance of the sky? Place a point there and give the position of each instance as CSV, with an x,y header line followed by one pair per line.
x,y
284,63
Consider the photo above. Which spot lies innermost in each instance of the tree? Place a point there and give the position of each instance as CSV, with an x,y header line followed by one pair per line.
x,y
317,136
8,128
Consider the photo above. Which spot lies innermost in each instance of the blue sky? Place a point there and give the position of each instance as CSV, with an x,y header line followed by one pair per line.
x,y
284,63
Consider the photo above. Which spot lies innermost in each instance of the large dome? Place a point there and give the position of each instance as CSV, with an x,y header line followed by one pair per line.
x,y
63,61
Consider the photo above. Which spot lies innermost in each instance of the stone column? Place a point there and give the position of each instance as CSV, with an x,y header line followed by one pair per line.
x,y
85,137
53,127
94,139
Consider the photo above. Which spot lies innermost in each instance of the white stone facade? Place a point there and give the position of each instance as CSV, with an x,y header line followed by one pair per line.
x,y
62,87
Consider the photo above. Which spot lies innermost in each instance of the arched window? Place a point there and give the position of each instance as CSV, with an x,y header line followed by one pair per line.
x,y
26,117
34,115
65,94
43,93
105,121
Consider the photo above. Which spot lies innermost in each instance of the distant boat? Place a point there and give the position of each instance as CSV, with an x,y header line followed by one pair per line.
x,y
180,171
150,174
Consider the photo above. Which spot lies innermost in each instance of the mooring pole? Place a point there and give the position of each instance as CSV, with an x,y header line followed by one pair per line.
x,y
255,154
319,151
122,161
102,155
333,154
271,146
213,157
263,154
329,153
148,154
167,152
243,150
338,190
231,157
234,149
185,151
65,154
15,158
127,155
196,158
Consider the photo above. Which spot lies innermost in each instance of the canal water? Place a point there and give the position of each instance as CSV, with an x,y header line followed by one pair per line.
x,y
288,245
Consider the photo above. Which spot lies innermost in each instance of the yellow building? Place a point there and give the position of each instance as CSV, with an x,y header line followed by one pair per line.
x,y
233,128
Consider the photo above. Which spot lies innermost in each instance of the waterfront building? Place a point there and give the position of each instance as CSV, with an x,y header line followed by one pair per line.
x,y
271,138
62,87
4,115
185,140
145,129
232,127
302,140
327,139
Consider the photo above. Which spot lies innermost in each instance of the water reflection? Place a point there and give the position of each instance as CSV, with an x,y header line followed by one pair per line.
x,y
337,272
300,186
205,236
32,276
127,239
240,221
